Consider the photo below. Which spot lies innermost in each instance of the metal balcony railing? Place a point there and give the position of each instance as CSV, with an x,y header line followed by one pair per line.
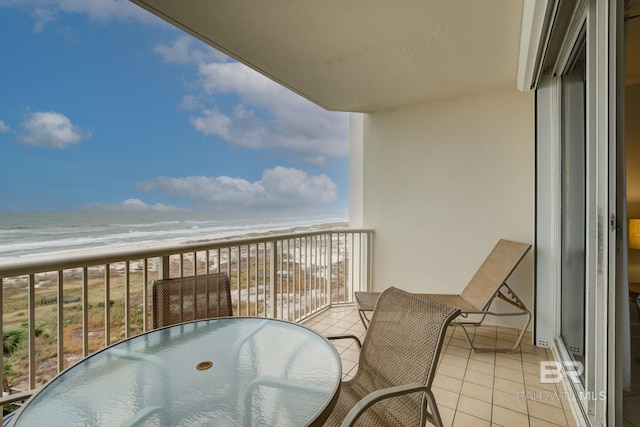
x,y
56,310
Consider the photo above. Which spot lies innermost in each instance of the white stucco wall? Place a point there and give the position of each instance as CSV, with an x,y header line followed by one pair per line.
x,y
356,176
442,183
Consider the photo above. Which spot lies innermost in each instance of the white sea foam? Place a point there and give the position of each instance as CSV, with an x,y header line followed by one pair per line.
x,y
51,232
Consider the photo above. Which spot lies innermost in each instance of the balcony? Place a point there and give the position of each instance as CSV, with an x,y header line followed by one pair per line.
x,y
71,306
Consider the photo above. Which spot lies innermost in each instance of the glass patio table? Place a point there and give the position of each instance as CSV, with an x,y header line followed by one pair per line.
x,y
232,371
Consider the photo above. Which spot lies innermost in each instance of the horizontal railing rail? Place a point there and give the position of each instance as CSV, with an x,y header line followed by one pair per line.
x,y
58,309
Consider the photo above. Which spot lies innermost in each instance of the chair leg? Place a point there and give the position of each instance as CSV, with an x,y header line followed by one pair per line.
x,y
363,317
434,416
512,349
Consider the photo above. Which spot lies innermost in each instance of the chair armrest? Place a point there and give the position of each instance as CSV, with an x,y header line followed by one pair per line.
x,y
376,396
332,337
17,397
277,383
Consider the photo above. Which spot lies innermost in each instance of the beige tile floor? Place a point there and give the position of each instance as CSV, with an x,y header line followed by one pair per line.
x,y
473,389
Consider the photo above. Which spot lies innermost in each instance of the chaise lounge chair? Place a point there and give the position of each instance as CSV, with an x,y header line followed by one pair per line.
x,y
487,284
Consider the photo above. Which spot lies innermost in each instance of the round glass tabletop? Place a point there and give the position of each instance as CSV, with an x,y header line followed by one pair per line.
x,y
225,372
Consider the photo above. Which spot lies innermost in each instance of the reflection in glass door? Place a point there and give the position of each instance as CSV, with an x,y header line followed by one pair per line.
x,y
573,205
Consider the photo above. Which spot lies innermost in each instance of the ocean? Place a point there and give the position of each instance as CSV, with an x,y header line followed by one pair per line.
x,y
38,233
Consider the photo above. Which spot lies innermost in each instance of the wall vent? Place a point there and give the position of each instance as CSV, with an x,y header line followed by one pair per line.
x,y
543,343
576,350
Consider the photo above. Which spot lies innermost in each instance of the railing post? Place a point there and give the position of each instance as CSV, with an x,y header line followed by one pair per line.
x,y
369,258
32,330
60,320
107,305
359,263
85,311
164,267
272,279
145,294
350,249
328,269
127,302
2,334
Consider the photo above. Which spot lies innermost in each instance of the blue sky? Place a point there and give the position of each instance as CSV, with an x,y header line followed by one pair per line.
x,y
105,107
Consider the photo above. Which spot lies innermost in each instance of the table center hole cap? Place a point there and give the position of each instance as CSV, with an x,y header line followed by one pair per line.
x,y
203,366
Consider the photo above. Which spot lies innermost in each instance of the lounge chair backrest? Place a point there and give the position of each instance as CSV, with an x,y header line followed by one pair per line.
x,y
191,298
493,272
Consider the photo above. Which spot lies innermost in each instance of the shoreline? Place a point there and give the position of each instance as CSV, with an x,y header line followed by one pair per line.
x,y
222,236
53,233
49,278
272,231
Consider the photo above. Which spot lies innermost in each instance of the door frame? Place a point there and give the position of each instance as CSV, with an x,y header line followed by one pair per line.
x,y
590,404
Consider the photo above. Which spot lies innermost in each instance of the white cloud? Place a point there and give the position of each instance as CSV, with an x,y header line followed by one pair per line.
x,y
251,85
46,11
212,122
130,205
191,102
42,18
4,127
51,129
182,51
241,127
278,188
268,115
104,10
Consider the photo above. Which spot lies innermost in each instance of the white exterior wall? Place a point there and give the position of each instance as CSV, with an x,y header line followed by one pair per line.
x,y
356,170
442,183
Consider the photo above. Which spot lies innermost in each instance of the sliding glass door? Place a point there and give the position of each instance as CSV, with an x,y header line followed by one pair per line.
x,y
573,206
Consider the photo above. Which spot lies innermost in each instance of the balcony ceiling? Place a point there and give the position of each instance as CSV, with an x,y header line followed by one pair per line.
x,y
362,55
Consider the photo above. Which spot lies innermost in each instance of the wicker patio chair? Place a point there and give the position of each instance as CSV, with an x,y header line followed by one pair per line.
x,y
191,298
487,284
397,364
